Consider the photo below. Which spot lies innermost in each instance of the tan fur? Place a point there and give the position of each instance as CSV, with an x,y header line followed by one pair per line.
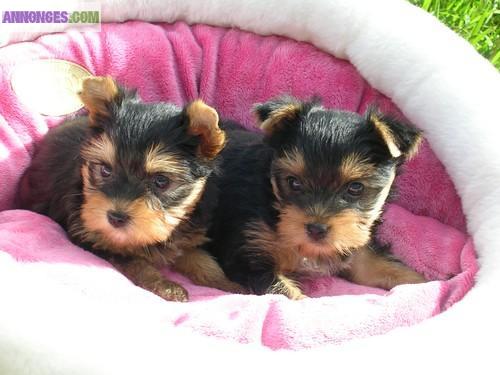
x,y
291,231
147,226
288,259
196,263
285,112
181,212
292,162
146,276
203,269
370,269
319,266
100,150
150,226
274,186
354,167
414,148
381,199
262,238
96,94
159,161
204,122
287,287
347,230
388,137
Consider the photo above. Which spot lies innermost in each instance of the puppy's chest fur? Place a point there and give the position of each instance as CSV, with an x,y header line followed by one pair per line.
x,y
317,267
291,262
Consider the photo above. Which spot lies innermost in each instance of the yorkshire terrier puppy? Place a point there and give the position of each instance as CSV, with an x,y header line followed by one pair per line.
x,y
304,198
127,181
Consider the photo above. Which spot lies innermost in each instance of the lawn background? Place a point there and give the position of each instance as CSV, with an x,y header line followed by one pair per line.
x,y
478,21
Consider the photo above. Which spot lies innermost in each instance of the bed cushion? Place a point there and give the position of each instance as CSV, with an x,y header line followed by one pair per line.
x,y
231,70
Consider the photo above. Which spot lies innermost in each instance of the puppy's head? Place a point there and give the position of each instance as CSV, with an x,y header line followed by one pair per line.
x,y
144,165
332,172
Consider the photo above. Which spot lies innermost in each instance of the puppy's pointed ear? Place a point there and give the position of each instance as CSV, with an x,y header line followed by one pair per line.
x,y
276,115
203,122
99,95
402,140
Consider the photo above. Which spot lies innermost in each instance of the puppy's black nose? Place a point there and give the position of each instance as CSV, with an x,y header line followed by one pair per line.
x,y
316,231
117,219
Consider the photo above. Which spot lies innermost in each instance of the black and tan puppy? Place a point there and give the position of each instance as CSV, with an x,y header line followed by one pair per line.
x,y
305,201
127,181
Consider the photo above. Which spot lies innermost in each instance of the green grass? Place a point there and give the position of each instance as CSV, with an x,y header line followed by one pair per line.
x,y
478,21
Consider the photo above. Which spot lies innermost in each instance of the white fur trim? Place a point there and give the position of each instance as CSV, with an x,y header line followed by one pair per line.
x,y
437,80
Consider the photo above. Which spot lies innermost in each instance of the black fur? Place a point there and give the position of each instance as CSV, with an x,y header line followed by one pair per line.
x,y
244,194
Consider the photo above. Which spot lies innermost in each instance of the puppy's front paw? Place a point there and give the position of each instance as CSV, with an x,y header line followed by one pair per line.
x,y
408,276
287,287
170,291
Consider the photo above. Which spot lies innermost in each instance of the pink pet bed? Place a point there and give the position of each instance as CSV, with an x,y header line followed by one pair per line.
x,y
67,311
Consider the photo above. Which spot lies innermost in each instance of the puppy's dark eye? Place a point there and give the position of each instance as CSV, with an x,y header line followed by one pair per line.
x,y
161,182
355,189
105,171
294,183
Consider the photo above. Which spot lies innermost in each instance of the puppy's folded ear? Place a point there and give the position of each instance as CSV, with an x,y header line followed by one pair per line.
x,y
101,96
402,140
276,115
203,122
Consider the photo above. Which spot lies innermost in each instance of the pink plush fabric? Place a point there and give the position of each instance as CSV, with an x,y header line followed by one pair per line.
x,y
231,70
